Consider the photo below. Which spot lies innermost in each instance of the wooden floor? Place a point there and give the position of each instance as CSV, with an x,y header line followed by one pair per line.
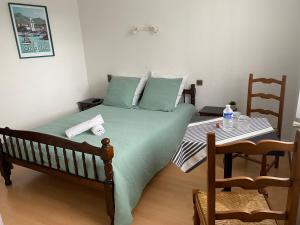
x,y
37,199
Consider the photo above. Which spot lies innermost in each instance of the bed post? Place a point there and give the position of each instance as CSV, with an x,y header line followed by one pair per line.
x,y
193,94
107,153
5,166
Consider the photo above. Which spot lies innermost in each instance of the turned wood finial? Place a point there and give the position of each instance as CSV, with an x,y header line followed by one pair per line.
x,y
105,141
106,156
107,149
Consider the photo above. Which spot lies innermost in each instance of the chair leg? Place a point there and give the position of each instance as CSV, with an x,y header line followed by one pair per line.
x,y
290,159
263,170
5,170
196,217
276,162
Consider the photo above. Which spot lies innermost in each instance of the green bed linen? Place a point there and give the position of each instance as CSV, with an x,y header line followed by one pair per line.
x,y
144,142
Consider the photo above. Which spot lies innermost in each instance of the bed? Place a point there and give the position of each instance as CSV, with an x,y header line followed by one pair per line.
x,y
143,143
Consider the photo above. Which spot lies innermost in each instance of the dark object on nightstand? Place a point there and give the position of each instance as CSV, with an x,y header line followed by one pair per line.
x,y
89,103
212,111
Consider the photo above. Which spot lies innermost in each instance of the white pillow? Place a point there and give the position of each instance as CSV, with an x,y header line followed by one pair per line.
x,y
139,89
184,78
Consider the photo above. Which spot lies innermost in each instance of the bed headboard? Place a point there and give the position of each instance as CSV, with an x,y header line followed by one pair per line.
x,y
186,92
191,92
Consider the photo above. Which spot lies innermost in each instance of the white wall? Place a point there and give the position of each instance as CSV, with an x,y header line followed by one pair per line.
x,y
218,41
34,91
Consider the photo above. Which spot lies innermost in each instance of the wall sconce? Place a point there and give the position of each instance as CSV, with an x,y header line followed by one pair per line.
x,y
150,28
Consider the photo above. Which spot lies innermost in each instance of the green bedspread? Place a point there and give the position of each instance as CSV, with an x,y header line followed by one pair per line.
x,y
144,142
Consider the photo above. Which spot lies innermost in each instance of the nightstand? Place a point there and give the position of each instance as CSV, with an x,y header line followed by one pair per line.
x,y
89,103
214,111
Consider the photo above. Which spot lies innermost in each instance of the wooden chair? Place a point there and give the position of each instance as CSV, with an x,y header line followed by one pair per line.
x,y
237,208
279,115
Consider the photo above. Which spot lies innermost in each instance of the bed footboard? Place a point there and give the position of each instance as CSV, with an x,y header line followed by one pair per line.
x,y
33,150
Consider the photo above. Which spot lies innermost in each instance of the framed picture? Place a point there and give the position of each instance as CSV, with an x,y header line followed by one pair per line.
x,y
32,30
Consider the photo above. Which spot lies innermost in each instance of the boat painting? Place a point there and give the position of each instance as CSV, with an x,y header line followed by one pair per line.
x,y
32,30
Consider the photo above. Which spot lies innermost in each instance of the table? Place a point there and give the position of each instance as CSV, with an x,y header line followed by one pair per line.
x,y
266,132
215,111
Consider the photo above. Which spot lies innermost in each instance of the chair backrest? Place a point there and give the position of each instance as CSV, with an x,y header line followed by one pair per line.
x,y
250,148
280,98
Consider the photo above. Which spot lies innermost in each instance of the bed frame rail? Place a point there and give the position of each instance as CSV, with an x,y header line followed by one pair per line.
x,y
24,148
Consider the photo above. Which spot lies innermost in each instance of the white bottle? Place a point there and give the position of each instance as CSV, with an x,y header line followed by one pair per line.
x,y
227,118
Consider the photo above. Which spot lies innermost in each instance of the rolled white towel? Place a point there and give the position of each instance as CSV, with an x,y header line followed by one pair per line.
x,y
98,130
96,120
84,126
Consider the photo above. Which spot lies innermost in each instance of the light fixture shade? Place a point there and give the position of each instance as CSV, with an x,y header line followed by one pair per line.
x,y
298,109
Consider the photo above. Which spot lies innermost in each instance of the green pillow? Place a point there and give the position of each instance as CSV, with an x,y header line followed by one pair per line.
x,y
121,91
160,94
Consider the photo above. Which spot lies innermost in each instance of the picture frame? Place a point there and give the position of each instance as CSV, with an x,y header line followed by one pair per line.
x,y
32,30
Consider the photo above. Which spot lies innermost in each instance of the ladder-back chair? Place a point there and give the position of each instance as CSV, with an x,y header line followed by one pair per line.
x,y
247,207
279,114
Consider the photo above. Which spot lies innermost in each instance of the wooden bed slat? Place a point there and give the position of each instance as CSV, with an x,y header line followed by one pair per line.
x,y
12,147
25,150
40,153
66,160
5,144
1,147
84,165
75,162
95,168
19,148
33,152
48,156
56,158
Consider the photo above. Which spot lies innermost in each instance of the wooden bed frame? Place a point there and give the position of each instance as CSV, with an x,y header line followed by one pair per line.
x,y
17,140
